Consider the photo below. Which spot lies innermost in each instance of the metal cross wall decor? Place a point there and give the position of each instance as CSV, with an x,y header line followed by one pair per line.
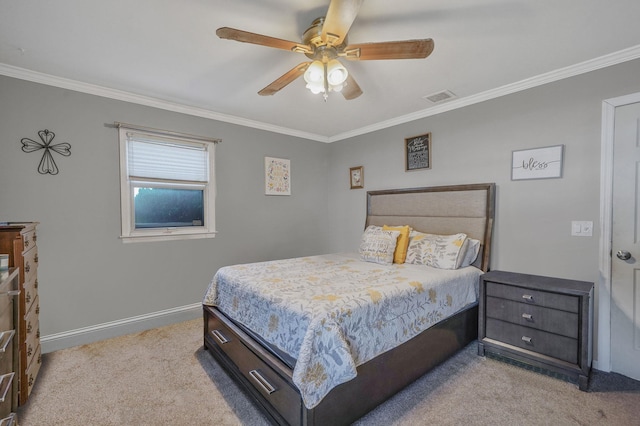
x,y
47,164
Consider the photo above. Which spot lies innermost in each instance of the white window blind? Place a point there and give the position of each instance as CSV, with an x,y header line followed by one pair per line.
x,y
164,159
167,184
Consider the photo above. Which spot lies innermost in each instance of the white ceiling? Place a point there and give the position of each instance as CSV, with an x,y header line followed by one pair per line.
x,y
166,53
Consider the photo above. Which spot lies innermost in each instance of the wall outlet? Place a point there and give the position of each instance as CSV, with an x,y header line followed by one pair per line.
x,y
582,228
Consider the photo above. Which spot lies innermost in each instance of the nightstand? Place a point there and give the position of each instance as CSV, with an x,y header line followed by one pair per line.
x,y
542,322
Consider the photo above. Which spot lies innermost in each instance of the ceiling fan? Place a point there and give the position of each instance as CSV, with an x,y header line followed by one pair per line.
x,y
325,41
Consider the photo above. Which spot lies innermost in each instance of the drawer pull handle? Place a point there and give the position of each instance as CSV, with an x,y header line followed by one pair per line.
x,y
526,339
8,421
220,337
5,385
6,337
528,317
527,297
264,384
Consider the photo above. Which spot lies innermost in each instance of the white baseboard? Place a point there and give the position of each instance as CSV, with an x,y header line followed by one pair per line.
x,y
82,336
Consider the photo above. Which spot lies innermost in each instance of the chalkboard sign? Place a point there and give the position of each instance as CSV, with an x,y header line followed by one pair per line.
x,y
417,150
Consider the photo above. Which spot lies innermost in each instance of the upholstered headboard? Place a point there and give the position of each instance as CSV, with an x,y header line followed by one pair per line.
x,y
442,210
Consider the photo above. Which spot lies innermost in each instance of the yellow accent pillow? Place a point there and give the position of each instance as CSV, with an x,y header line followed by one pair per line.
x,y
403,242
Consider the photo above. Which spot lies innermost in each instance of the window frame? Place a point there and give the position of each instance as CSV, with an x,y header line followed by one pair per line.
x,y
129,233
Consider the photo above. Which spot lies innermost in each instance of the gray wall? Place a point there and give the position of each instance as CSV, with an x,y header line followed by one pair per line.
x,y
474,145
87,276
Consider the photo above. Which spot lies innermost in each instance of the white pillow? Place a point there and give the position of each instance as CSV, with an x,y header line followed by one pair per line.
x,y
378,245
437,251
471,253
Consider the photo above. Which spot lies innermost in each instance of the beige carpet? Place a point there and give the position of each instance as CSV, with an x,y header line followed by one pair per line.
x,y
164,377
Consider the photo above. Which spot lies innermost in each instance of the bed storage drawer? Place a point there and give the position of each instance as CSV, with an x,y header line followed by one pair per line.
x,y
256,367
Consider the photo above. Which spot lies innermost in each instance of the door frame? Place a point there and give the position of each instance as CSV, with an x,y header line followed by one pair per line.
x,y
603,363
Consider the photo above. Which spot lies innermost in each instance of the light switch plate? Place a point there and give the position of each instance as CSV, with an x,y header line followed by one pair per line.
x,y
582,228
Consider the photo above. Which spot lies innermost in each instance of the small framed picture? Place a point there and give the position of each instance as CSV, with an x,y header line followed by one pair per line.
x,y
417,152
537,163
277,176
356,177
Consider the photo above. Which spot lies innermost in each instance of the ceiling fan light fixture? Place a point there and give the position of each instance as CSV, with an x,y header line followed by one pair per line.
x,y
316,88
315,73
336,73
337,87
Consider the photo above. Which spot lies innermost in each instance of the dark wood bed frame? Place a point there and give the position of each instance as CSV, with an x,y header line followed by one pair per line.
x,y
268,381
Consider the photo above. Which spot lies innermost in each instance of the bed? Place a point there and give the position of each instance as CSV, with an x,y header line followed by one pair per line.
x,y
301,369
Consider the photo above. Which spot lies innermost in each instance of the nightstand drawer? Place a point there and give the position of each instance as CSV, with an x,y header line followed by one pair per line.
x,y
563,302
546,319
553,345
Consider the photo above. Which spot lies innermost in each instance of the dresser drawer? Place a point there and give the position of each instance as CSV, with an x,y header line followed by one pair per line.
x,y
6,311
29,239
7,382
30,264
547,319
33,369
10,420
30,293
7,340
553,345
32,334
275,389
563,302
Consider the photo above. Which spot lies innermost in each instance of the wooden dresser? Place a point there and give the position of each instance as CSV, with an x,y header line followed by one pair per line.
x,y
9,290
19,240
545,323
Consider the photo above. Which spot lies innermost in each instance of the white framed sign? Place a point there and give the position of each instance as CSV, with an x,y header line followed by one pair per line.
x,y
537,163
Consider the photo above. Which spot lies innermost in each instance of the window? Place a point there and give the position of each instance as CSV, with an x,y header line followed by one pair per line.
x,y
167,185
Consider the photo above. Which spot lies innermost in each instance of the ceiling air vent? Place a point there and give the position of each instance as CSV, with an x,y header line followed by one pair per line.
x,y
436,98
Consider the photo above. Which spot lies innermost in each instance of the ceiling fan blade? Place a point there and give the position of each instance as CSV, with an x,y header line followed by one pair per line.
x,y
340,16
262,40
408,49
351,90
285,79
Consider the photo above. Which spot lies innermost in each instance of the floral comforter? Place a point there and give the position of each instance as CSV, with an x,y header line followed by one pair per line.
x,y
335,312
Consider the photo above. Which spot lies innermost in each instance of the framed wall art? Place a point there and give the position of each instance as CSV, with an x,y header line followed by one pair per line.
x,y
537,163
356,177
277,176
417,152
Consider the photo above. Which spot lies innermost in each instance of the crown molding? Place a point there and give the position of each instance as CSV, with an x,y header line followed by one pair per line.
x,y
121,95
92,89
539,80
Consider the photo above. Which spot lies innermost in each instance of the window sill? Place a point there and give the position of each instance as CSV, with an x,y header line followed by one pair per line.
x,y
168,236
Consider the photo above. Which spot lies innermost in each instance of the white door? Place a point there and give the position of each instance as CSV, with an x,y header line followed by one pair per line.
x,y
625,264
